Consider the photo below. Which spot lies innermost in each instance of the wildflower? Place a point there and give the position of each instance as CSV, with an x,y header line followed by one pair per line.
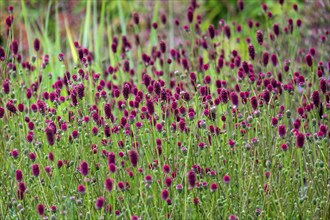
x,y
136,18
133,157
226,179
274,122
32,156
323,85
11,107
168,182
83,168
150,107
36,44
196,201
41,209
81,189
112,168
211,30
162,46
251,51
234,98
276,29
99,202
18,175
213,187
21,187
135,217
281,130
240,5
14,47
309,60
2,112
50,135
166,168
316,98
179,187
273,58
14,153
190,15
191,176
35,170
108,184
165,194
300,140
233,217
227,31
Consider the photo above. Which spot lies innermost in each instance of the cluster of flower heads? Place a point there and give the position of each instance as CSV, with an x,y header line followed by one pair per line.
x,y
170,92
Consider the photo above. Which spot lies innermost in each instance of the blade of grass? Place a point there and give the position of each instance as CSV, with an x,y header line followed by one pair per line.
x,y
153,34
101,28
121,17
71,44
87,24
170,6
47,17
27,25
57,28
95,32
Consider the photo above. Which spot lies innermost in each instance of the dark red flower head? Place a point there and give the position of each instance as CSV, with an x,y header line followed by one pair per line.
x,y
18,175
133,157
99,202
36,44
191,176
316,98
281,130
11,107
260,37
41,209
35,170
108,184
300,140
309,60
211,30
83,168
